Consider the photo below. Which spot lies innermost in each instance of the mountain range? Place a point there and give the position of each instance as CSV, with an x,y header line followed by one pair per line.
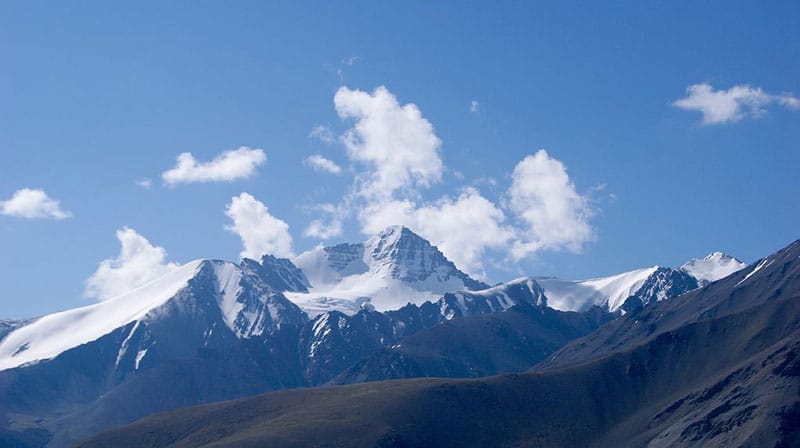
x,y
391,307
717,366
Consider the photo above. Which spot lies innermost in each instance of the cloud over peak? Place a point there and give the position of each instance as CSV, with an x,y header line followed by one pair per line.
x,y
396,156
554,214
260,232
138,263
32,204
229,166
396,143
732,105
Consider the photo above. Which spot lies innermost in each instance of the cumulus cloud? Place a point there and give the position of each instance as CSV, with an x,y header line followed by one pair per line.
x,y
32,203
554,215
229,166
396,144
138,263
320,163
732,105
260,232
395,153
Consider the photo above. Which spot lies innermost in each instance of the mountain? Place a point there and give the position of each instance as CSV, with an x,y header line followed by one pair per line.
x,y
763,282
392,307
214,330
718,366
334,341
240,297
195,335
388,271
477,345
647,285
713,267
633,289
281,274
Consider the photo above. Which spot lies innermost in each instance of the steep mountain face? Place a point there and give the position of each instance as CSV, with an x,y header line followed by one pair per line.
x,y
237,297
714,266
198,333
718,366
405,256
662,284
390,270
281,274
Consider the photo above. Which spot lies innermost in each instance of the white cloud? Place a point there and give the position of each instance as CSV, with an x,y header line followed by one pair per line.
x,y
317,228
788,100
138,263
463,228
323,134
319,163
229,166
396,154
732,105
260,232
31,203
323,230
554,215
396,144
474,107
145,183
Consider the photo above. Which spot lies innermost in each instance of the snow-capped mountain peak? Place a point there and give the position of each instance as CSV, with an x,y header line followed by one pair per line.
x,y
389,270
50,335
245,298
610,292
406,256
712,267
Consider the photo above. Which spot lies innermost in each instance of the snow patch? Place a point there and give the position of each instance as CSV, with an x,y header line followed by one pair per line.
x,y
124,346
762,264
139,357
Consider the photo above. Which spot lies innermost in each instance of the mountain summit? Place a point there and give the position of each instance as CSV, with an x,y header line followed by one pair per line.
x,y
389,270
714,266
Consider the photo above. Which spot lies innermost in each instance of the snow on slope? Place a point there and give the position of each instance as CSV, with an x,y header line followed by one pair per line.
x,y
713,267
390,270
55,333
229,277
491,300
375,288
568,295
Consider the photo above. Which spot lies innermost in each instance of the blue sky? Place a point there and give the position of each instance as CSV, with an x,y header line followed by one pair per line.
x,y
95,96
